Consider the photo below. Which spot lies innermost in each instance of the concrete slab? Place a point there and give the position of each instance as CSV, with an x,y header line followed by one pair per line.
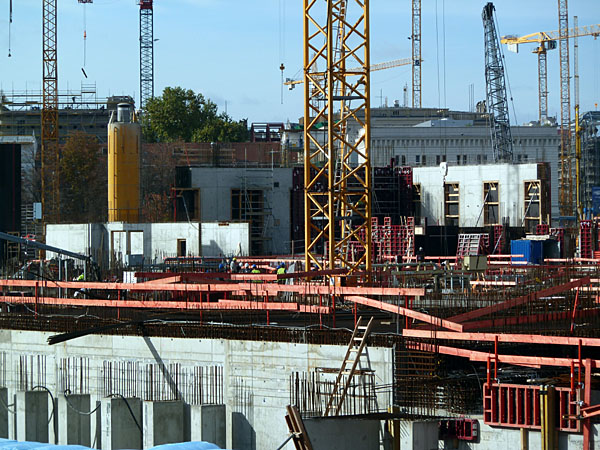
x,y
208,423
74,420
121,423
163,423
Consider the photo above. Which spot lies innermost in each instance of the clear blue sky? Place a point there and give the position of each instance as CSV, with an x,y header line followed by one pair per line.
x,y
230,50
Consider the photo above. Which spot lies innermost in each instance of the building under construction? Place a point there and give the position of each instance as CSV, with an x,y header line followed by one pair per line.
x,y
364,279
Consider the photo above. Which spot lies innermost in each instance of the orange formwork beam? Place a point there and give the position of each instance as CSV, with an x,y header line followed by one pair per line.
x,y
520,300
503,337
529,319
253,288
474,355
384,306
150,304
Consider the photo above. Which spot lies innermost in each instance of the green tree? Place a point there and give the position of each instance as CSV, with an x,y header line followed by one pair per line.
x,y
83,180
182,115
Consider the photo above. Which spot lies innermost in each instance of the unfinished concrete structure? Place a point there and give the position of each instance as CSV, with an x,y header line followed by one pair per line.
x,y
516,195
134,244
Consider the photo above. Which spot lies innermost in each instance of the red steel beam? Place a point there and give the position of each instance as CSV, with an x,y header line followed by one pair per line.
x,y
473,355
502,337
384,306
520,300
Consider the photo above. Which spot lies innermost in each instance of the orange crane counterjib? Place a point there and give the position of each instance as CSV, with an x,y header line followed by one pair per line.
x,y
545,36
146,4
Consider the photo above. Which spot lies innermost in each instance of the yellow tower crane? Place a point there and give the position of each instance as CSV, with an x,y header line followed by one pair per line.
x,y
546,40
337,170
549,40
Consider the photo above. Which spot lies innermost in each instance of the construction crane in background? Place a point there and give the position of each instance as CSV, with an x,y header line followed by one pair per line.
x,y
416,53
146,52
49,115
337,170
497,103
565,182
381,66
546,40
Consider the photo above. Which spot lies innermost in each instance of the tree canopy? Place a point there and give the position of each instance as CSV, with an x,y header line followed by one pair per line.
x,y
83,180
182,115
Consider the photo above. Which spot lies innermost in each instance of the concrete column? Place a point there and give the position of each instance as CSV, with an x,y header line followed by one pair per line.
x,y
121,429
163,423
73,426
208,423
4,413
338,433
35,418
419,435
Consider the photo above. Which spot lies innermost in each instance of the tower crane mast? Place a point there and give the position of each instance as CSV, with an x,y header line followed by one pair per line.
x,y
337,170
497,103
146,51
416,53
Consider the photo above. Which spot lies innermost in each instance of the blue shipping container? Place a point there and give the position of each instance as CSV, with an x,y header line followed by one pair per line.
x,y
595,200
532,251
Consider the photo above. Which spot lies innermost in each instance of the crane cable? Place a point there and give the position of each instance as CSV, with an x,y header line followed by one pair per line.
x,y
9,26
84,36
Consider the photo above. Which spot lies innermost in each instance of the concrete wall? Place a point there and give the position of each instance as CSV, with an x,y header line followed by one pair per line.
x,y
154,241
216,184
510,178
256,375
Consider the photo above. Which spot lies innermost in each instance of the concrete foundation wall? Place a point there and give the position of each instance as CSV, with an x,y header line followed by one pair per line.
x,y
510,178
256,375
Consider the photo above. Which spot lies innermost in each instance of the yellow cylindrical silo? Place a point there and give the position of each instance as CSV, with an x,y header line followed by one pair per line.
x,y
124,144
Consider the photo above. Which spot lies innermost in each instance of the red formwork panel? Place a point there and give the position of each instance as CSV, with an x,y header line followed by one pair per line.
x,y
518,406
586,248
542,229
461,429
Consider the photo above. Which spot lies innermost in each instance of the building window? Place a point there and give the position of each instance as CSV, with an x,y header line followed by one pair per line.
x,y
181,247
478,159
532,205
443,158
491,203
437,160
464,159
418,160
458,160
424,160
451,203
403,160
